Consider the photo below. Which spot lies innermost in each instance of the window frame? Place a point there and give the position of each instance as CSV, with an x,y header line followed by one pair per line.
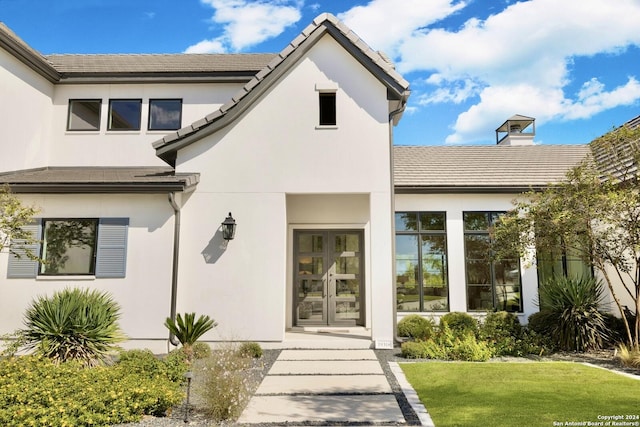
x,y
110,127
492,217
149,118
327,108
421,232
94,248
86,100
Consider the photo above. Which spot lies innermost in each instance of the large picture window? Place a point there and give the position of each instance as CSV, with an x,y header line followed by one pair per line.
x,y
69,246
491,285
421,261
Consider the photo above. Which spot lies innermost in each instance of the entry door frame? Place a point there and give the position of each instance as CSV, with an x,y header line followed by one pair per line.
x,y
330,230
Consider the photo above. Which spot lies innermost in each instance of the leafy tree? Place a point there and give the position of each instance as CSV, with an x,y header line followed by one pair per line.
x,y
13,217
594,213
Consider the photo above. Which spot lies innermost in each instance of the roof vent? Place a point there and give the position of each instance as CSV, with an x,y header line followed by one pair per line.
x,y
517,130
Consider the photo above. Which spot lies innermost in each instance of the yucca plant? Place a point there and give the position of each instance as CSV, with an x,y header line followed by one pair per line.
x,y
573,307
73,324
188,330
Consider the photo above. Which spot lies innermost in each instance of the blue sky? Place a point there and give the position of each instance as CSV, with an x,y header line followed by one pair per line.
x,y
574,65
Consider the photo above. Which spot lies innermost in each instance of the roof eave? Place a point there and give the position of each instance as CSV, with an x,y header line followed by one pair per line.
x,y
29,57
468,189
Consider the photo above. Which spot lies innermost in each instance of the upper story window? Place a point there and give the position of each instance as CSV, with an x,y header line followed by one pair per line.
x,y
327,109
421,261
491,284
124,114
165,114
84,114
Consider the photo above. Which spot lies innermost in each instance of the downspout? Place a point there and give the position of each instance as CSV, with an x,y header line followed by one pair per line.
x,y
174,266
393,227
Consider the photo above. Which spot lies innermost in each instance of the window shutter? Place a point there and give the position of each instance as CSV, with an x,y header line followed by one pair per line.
x,y
23,267
111,256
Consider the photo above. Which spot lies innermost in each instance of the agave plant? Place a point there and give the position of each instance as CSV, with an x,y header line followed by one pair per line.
x,y
573,307
73,324
188,330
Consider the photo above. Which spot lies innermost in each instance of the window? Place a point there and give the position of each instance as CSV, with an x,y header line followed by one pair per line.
x,y
69,246
124,114
165,114
563,263
84,114
327,108
490,284
421,261
74,246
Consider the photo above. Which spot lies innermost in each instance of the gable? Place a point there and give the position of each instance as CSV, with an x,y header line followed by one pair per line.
x,y
374,62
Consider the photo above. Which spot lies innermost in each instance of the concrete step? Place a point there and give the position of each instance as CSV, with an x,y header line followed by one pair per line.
x,y
324,384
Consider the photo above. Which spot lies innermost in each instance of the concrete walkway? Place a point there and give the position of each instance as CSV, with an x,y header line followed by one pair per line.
x,y
324,386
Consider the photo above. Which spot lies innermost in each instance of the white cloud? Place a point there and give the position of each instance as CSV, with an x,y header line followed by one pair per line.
x,y
517,60
247,22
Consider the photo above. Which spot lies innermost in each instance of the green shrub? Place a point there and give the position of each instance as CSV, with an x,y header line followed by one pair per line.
x,y
188,330
503,333
460,323
250,349
35,391
416,327
176,365
541,322
448,345
574,308
226,387
73,324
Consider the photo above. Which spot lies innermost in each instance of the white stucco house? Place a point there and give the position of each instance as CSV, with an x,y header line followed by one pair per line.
x,y
136,160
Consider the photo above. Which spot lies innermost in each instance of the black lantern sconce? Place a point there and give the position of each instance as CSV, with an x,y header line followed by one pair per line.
x,y
228,228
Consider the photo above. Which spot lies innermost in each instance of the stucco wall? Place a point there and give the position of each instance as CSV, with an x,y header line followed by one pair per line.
x,y
25,115
144,294
274,149
125,148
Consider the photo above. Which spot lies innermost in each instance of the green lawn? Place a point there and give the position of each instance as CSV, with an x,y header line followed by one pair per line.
x,y
522,394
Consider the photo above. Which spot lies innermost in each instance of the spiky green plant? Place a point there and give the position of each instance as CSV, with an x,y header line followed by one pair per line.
x,y
574,311
188,330
73,324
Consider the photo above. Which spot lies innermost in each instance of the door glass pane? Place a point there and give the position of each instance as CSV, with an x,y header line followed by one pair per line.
x,y
310,265
310,243
310,310
347,310
348,265
310,288
347,288
347,243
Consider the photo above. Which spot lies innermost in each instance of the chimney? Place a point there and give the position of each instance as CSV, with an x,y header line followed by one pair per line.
x,y
517,130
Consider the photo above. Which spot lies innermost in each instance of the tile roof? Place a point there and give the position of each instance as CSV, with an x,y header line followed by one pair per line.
x,y
378,64
98,180
482,168
165,63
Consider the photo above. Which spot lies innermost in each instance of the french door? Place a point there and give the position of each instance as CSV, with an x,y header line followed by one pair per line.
x,y
328,277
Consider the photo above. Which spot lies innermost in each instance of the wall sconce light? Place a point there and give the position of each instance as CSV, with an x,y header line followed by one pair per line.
x,y
228,228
